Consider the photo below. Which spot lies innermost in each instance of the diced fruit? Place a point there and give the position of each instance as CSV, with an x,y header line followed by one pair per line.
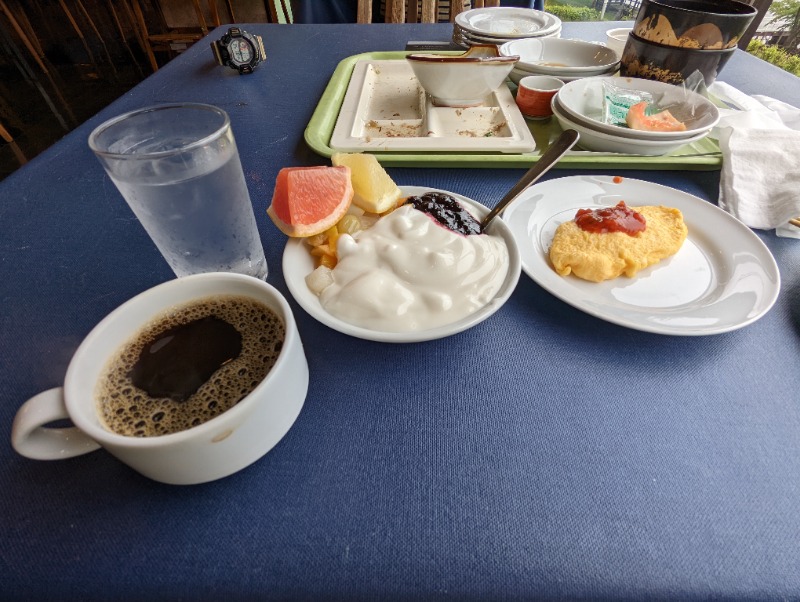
x,y
319,279
349,224
638,119
375,191
333,236
310,200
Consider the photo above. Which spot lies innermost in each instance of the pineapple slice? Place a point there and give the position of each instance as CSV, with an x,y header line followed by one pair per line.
x,y
375,191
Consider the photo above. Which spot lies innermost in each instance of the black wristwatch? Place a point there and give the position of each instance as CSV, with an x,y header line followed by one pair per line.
x,y
239,50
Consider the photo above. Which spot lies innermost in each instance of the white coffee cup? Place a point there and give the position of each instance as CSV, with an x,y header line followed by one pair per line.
x,y
212,450
617,38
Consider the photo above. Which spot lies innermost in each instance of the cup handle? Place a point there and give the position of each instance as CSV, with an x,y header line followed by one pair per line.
x,y
32,439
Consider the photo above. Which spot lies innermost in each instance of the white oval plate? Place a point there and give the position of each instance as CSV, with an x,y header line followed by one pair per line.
x,y
298,263
507,22
723,277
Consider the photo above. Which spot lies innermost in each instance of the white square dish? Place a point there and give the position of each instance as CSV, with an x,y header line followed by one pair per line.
x,y
386,109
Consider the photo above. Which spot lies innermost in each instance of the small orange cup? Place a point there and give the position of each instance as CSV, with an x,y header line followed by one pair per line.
x,y
535,94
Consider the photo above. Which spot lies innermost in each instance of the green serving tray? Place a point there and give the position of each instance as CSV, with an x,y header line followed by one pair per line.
x,y
701,155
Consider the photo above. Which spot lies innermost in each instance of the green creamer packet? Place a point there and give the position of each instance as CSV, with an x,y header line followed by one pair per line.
x,y
617,101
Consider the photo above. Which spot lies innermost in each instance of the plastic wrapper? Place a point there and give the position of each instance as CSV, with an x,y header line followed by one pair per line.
x,y
617,101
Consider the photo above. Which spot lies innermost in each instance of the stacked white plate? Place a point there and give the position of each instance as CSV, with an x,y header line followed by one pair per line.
x,y
497,25
565,59
579,105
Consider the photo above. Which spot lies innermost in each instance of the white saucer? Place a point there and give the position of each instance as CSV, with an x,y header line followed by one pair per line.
x,y
723,277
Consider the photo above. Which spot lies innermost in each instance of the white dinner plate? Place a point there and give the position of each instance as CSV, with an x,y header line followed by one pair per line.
x,y
298,263
723,277
507,22
472,39
468,40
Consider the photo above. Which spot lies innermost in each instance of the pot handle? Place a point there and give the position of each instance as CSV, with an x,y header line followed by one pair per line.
x,y
31,438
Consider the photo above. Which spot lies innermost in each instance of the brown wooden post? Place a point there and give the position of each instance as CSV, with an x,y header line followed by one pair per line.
x,y
77,29
123,37
23,36
762,6
229,4
364,14
137,10
96,31
200,18
395,11
430,11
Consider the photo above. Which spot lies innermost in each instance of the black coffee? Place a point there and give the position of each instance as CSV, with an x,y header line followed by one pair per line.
x,y
181,359
189,365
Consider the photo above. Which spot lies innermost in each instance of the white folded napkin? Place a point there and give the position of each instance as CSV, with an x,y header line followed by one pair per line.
x,y
760,143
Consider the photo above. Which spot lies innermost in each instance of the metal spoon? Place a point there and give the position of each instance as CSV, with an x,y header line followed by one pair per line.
x,y
551,156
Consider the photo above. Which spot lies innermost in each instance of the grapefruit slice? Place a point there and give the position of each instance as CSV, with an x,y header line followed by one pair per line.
x,y
638,119
375,191
310,200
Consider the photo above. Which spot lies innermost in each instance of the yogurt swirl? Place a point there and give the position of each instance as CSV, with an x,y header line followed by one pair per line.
x,y
408,273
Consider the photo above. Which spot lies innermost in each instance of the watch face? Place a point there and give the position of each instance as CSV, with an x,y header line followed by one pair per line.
x,y
241,51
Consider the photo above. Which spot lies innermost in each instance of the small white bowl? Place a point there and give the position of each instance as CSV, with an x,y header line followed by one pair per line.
x,y
463,80
553,56
593,140
616,39
583,101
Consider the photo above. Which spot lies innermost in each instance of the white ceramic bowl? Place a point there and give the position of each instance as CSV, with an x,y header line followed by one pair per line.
x,y
616,39
298,263
552,56
593,140
582,100
517,73
566,72
463,80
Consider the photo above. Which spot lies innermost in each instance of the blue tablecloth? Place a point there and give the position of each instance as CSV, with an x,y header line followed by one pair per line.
x,y
542,454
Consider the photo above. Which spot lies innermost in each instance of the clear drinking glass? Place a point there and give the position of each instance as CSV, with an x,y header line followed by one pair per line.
x,y
178,168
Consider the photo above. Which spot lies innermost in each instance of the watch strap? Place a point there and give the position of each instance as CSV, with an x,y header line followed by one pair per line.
x,y
220,53
262,55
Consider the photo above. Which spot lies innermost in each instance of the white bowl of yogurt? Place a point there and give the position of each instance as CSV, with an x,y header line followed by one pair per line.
x,y
423,269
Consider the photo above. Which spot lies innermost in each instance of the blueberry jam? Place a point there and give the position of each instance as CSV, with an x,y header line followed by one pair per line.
x,y
447,211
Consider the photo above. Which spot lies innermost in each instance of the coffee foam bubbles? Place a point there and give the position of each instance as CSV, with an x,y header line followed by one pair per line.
x,y
127,410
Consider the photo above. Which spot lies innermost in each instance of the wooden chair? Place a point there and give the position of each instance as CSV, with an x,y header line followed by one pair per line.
x,y
179,36
422,11
280,11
